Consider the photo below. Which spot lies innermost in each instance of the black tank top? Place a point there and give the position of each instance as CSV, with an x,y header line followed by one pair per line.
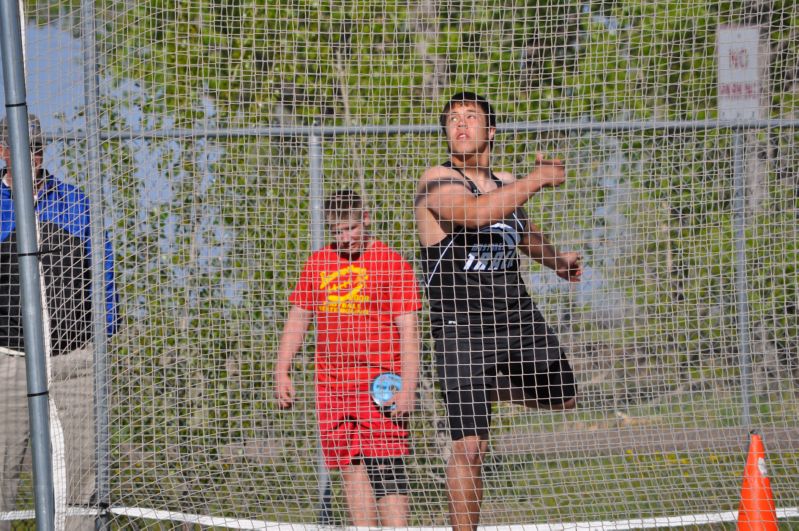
x,y
472,276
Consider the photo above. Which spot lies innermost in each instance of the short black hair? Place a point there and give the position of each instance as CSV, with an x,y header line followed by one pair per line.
x,y
468,97
343,204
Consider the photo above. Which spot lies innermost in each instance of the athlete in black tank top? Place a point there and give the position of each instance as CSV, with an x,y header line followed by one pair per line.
x,y
490,341
481,314
472,276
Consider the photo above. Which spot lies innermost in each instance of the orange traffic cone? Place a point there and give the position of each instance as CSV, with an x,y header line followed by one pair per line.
x,y
756,511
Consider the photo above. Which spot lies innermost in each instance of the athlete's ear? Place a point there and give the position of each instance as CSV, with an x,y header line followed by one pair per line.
x,y
367,220
491,132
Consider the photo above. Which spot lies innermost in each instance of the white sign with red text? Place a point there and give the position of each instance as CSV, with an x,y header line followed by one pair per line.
x,y
740,88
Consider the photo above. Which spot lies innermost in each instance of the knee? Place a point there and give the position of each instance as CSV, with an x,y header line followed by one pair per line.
x,y
469,451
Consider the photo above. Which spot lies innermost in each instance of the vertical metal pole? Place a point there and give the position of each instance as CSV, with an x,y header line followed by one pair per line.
x,y
317,193
97,234
741,285
32,310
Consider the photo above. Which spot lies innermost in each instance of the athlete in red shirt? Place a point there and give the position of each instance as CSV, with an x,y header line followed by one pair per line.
x,y
364,298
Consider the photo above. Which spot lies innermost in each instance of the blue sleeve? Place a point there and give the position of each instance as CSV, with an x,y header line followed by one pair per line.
x,y
111,302
111,298
6,213
77,204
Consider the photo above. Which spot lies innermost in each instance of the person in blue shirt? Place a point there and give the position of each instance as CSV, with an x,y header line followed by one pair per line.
x,y
66,254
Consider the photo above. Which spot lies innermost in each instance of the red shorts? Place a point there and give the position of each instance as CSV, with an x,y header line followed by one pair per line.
x,y
350,425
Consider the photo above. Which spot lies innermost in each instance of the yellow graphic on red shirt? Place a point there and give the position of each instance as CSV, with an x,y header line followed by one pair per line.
x,y
343,289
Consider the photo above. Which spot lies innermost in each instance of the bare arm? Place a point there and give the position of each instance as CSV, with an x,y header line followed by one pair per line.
x,y
443,192
534,244
409,349
290,343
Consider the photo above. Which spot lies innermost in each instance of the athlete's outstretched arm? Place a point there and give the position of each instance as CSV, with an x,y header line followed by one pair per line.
x,y
443,191
535,244
290,343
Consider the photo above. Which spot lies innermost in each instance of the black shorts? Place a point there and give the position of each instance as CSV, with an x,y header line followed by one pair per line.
x,y
469,407
471,361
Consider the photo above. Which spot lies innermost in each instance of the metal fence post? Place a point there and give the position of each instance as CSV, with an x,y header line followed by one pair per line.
x,y
97,236
28,255
325,516
741,285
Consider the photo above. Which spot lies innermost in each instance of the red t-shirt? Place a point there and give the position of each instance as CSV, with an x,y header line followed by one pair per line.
x,y
355,304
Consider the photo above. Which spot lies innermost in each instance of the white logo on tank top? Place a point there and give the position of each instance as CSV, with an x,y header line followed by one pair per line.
x,y
494,256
